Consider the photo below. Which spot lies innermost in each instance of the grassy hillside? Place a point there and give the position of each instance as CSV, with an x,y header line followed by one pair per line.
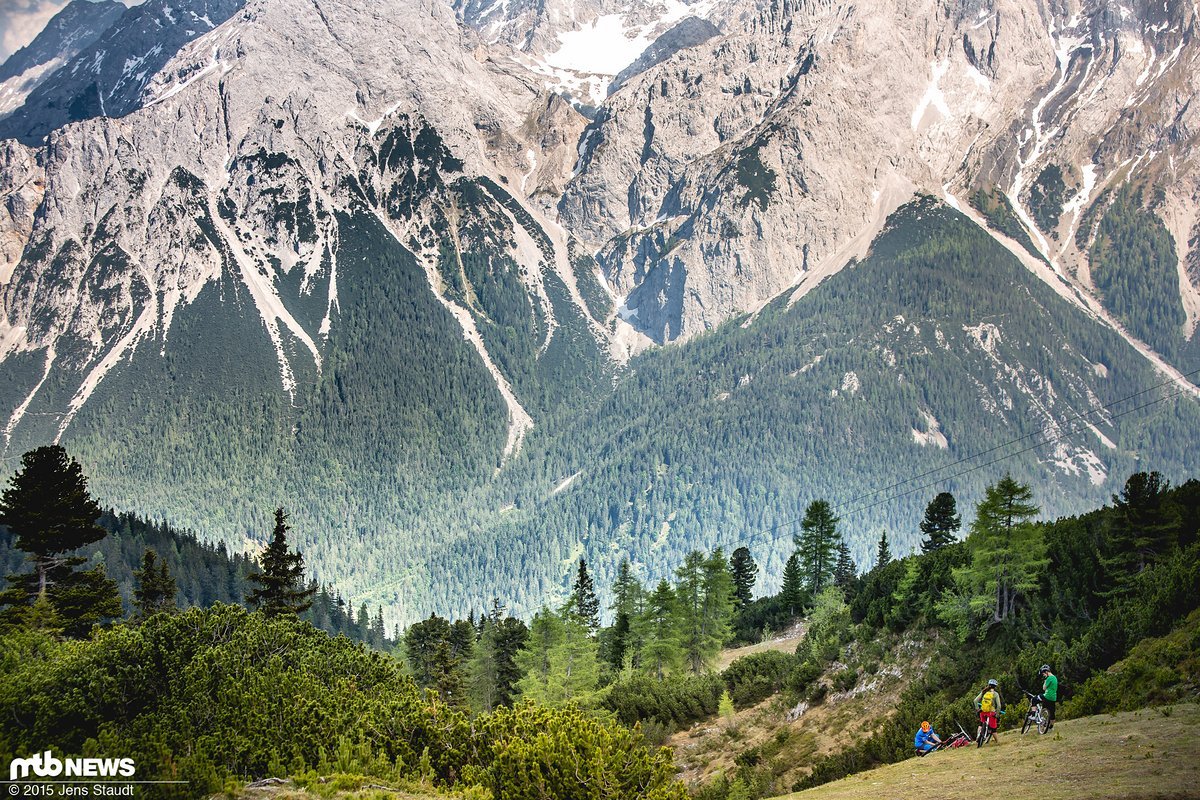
x,y
1143,754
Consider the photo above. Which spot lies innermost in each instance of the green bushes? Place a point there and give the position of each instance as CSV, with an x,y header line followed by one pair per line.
x,y
755,677
801,679
218,694
1156,671
679,701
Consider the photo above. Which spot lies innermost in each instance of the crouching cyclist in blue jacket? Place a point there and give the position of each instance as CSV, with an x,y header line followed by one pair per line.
x,y
926,740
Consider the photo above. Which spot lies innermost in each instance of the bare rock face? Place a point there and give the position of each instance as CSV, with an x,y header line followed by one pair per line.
x,y
758,160
74,28
22,188
106,77
244,150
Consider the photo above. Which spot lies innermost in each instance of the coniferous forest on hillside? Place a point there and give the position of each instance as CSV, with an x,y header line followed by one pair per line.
x,y
393,473
112,644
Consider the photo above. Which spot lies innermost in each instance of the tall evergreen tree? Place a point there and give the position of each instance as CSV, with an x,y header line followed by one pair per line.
x,y
484,671
791,593
817,544
1007,554
941,522
511,636
745,574
584,602
704,597
1144,527
50,512
560,660
155,589
883,556
422,641
845,570
280,587
627,601
658,629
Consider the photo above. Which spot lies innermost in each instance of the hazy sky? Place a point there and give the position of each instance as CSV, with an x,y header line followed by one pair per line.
x,y
21,20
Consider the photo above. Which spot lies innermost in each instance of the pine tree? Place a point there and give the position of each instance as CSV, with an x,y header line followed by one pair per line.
x,y
817,544
745,574
791,593
280,587
941,523
584,602
50,513
449,680
883,555
1144,527
362,625
422,641
627,602
378,631
511,636
845,571
155,590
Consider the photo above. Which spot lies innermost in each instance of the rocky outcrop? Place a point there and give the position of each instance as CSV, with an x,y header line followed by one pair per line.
x,y
740,167
74,28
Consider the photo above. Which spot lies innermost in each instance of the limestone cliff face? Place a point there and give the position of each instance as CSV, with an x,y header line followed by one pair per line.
x,y
709,156
243,151
765,158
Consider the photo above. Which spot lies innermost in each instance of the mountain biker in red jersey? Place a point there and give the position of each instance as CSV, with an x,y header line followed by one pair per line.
x,y
989,704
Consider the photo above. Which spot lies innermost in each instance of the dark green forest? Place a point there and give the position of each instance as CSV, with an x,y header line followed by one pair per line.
x,y
565,703
934,348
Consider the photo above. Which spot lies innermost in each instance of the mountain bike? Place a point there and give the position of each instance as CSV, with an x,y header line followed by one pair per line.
x,y
985,733
1036,717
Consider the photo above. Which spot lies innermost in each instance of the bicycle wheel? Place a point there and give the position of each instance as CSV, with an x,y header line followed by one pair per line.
x,y
1043,724
1025,725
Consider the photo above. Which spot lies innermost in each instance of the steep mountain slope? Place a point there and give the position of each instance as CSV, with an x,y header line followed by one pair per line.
x,y
108,76
938,346
825,116
72,29
395,281
353,312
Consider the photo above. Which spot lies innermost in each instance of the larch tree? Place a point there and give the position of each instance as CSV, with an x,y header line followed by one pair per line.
x,y
1007,556
658,631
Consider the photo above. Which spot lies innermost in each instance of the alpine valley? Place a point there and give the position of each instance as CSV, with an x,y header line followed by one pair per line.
x,y
474,289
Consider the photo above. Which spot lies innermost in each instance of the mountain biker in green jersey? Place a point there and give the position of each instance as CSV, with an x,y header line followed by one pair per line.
x,y
1049,695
